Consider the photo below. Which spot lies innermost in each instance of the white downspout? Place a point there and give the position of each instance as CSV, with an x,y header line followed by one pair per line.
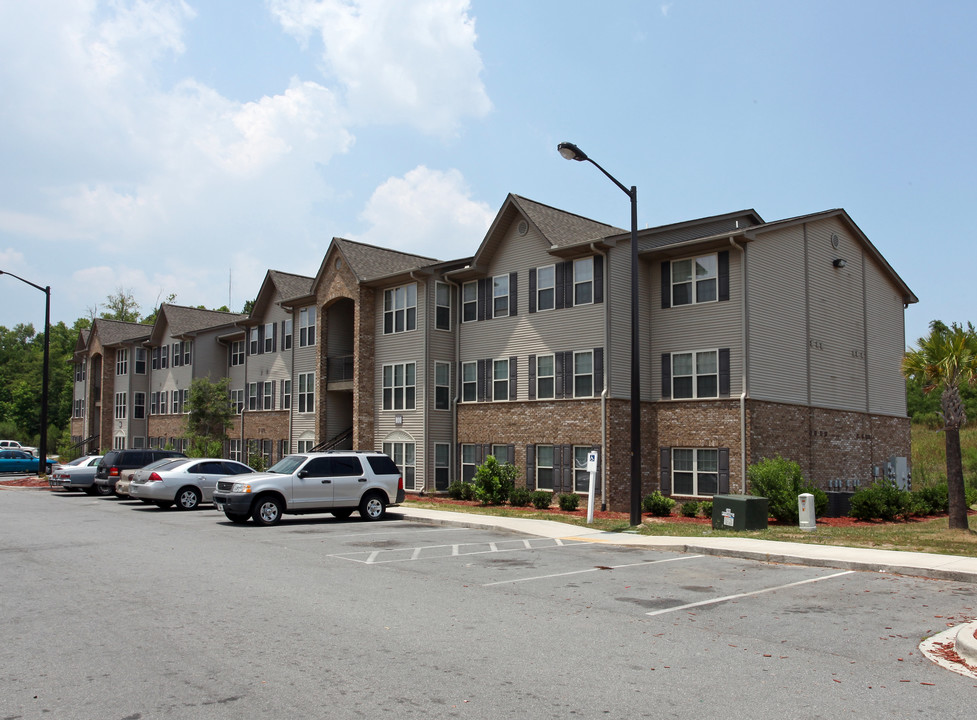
x,y
743,341
457,364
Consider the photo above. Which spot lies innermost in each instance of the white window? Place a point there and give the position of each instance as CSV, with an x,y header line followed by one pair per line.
x,y
156,359
545,377
544,467
305,446
502,454
500,380
164,353
469,382
120,406
307,327
234,450
399,386
583,281
468,463
188,352
546,287
269,337
140,357
286,394
581,478
139,405
184,405
695,471
237,353
122,362
253,341
694,280
306,392
442,386
442,306
81,370
268,396
442,466
164,402
583,374
119,442
237,402
402,453
400,309
695,375
154,403
253,396
287,334
177,354
500,296
469,301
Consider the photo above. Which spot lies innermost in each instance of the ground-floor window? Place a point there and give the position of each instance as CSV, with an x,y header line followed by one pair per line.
x,y
695,471
544,467
234,450
442,466
305,446
581,478
402,454
119,442
469,462
138,442
504,454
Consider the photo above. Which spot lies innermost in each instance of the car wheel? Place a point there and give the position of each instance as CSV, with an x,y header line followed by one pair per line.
x,y
188,498
103,490
342,514
372,506
267,510
236,518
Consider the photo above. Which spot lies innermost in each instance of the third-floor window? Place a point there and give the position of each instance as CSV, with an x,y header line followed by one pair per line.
x,y
400,309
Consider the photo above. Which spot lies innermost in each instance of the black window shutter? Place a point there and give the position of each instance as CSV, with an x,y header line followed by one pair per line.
x,y
480,315
558,282
568,374
530,467
479,454
513,293
723,471
532,290
666,376
665,470
558,374
511,451
282,346
598,370
480,371
532,377
567,474
666,284
568,283
724,371
486,451
274,336
247,341
512,377
598,278
724,275
458,462
261,339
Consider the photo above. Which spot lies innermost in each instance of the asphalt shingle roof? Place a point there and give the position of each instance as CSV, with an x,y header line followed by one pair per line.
x,y
369,262
562,228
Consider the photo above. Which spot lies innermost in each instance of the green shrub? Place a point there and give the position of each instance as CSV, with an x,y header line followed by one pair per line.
x,y
932,500
519,497
541,499
690,508
456,489
881,500
494,481
657,504
781,481
568,502
706,507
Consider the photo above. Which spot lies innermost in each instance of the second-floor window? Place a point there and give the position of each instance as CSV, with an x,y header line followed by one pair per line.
x,y
139,405
268,396
469,381
546,287
237,353
400,309
442,386
399,386
252,396
695,374
583,281
306,392
500,296
122,362
287,334
140,358
583,374
286,394
545,377
307,327
253,341
120,406
694,280
500,379
442,304
269,337
237,401
469,302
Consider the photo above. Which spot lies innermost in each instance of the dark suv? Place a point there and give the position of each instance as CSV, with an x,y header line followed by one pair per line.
x,y
110,467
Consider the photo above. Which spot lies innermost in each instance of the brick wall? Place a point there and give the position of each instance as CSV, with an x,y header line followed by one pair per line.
x,y
708,424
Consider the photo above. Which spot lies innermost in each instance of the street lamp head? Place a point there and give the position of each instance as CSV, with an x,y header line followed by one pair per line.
x,y
571,152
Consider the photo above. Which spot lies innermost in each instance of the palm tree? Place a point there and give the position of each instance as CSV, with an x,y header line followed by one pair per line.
x,y
947,359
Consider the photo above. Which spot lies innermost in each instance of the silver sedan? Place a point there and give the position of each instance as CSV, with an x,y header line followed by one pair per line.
x,y
186,482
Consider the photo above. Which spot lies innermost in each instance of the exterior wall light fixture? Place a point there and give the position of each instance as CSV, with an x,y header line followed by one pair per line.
x,y
839,262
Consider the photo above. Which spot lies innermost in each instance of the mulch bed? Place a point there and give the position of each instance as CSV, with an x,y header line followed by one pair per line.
x,y
28,482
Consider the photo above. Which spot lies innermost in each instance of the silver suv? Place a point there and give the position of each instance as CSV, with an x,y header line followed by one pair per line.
x,y
337,482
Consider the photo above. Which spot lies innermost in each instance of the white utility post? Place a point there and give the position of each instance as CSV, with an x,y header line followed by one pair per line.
x,y
592,469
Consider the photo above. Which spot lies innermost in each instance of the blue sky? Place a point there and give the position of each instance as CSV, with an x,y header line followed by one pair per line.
x,y
165,146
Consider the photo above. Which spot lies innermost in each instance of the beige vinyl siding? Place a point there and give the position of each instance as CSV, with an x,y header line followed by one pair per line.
x,y
617,294
210,358
886,337
578,328
704,326
777,316
837,319
304,361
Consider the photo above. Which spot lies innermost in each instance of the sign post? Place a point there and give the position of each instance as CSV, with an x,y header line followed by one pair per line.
x,y
592,469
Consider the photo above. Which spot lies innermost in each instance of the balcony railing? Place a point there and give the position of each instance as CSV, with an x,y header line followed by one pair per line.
x,y
339,368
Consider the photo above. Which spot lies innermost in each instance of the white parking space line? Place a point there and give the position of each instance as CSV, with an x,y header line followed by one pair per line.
x,y
430,552
590,570
727,598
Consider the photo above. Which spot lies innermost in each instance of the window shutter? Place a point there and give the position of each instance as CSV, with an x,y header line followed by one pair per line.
x,y
568,283
666,284
513,293
665,470
486,451
511,452
567,470
724,371
568,374
479,454
247,341
666,376
723,288
480,370
282,346
723,471
598,370
261,339
532,377
530,467
481,302
558,375
559,291
598,278
512,377
274,336
532,290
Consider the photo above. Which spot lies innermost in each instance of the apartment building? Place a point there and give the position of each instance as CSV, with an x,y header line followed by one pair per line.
x,y
757,339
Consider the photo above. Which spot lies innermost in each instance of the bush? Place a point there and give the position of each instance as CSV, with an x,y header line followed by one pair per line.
x,y
933,500
568,502
541,499
657,504
780,481
519,497
455,490
706,507
881,500
690,508
494,481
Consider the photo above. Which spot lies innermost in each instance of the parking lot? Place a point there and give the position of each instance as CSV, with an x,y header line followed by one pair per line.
x,y
117,609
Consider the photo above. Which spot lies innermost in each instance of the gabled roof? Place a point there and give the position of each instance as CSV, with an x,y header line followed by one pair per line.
x,y
279,286
182,320
115,332
369,262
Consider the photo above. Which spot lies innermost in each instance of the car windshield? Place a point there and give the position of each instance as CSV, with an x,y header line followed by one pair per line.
x,y
165,462
77,461
288,464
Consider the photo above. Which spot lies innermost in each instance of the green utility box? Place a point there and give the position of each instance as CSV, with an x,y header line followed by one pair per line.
x,y
739,512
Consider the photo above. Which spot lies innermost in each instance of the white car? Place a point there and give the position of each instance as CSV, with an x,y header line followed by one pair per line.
x,y
187,482
14,445
79,474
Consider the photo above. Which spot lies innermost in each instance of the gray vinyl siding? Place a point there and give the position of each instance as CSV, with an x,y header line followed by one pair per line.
x,y
304,361
886,337
210,358
274,366
617,294
703,326
577,328
440,425
777,317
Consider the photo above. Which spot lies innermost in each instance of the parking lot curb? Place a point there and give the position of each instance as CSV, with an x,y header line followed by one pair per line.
x,y
966,644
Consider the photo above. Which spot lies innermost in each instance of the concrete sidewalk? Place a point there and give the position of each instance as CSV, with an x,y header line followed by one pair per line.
x,y
928,565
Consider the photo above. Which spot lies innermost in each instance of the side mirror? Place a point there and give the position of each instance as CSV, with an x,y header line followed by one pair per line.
x,y
303,474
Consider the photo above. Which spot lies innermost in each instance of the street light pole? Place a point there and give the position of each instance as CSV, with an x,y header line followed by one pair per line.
x,y
42,450
572,152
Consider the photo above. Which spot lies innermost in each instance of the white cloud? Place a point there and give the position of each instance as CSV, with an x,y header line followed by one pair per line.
x,y
412,62
427,212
